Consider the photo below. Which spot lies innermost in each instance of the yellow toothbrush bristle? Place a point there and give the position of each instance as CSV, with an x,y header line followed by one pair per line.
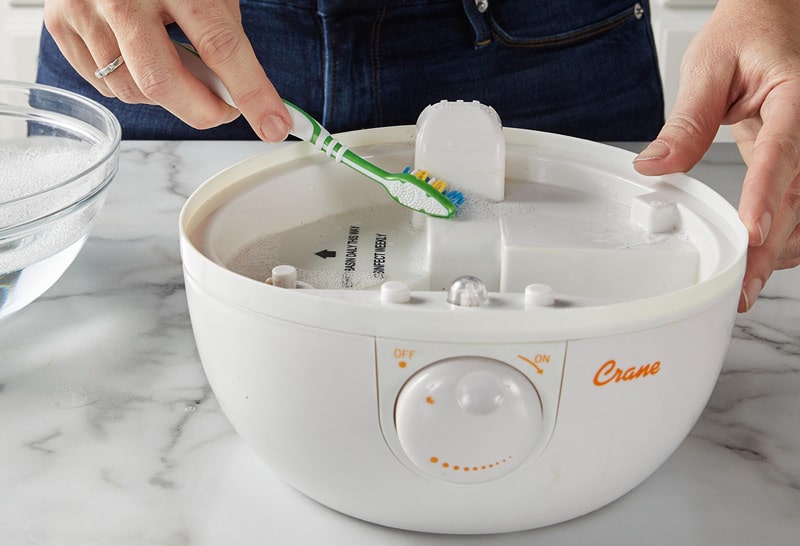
x,y
425,176
439,184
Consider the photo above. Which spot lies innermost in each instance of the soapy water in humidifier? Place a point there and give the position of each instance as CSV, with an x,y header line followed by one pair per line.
x,y
357,250
361,249
352,267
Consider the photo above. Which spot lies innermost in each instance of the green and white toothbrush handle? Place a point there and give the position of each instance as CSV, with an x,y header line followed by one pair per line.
x,y
307,128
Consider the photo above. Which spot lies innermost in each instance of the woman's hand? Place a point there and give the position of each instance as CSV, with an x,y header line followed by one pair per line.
x,y
743,69
92,33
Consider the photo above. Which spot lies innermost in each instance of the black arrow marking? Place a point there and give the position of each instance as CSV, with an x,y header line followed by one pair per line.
x,y
325,254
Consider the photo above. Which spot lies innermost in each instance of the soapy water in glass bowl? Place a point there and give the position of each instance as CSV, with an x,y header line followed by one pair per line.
x,y
32,260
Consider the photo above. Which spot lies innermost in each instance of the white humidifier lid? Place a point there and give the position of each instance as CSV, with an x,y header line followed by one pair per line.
x,y
578,232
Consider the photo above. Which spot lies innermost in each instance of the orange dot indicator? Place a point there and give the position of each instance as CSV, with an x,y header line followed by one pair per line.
x,y
402,364
430,400
467,468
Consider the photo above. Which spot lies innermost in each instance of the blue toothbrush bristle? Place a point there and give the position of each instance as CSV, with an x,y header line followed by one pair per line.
x,y
455,196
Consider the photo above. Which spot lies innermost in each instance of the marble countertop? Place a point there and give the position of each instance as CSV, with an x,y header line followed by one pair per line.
x,y
110,434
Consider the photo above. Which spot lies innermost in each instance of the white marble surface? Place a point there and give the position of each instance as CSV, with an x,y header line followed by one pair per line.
x,y
110,435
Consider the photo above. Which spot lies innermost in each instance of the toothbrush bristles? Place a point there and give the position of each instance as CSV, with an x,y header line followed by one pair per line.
x,y
455,196
438,184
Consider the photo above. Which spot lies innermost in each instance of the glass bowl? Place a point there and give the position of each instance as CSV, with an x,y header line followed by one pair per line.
x,y
59,151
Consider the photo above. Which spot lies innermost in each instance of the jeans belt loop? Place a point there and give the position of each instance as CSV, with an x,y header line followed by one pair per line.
x,y
474,10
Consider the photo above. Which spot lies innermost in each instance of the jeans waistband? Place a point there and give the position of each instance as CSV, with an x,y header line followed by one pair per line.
x,y
480,26
334,7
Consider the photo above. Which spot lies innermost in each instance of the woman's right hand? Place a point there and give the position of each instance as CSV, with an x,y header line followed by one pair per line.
x,y
92,33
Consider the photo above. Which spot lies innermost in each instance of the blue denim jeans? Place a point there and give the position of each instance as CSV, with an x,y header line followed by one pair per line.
x,y
585,68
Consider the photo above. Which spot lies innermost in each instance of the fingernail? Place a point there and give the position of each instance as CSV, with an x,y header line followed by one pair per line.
x,y
764,224
751,292
274,129
658,149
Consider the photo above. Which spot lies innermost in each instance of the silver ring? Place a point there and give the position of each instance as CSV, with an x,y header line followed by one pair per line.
x,y
101,73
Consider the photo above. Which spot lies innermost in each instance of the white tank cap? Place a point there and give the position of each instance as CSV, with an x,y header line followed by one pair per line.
x,y
395,292
539,295
283,276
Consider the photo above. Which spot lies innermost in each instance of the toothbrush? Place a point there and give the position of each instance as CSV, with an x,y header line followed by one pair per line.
x,y
407,188
455,196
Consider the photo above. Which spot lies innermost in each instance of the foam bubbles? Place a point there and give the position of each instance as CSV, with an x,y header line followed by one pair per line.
x,y
477,207
29,169
404,255
32,183
32,179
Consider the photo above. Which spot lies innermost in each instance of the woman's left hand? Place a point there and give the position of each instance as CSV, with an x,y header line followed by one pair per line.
x,y
743,69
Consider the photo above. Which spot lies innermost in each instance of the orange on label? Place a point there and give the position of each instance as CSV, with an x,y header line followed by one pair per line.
x,y
406,354
610,373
